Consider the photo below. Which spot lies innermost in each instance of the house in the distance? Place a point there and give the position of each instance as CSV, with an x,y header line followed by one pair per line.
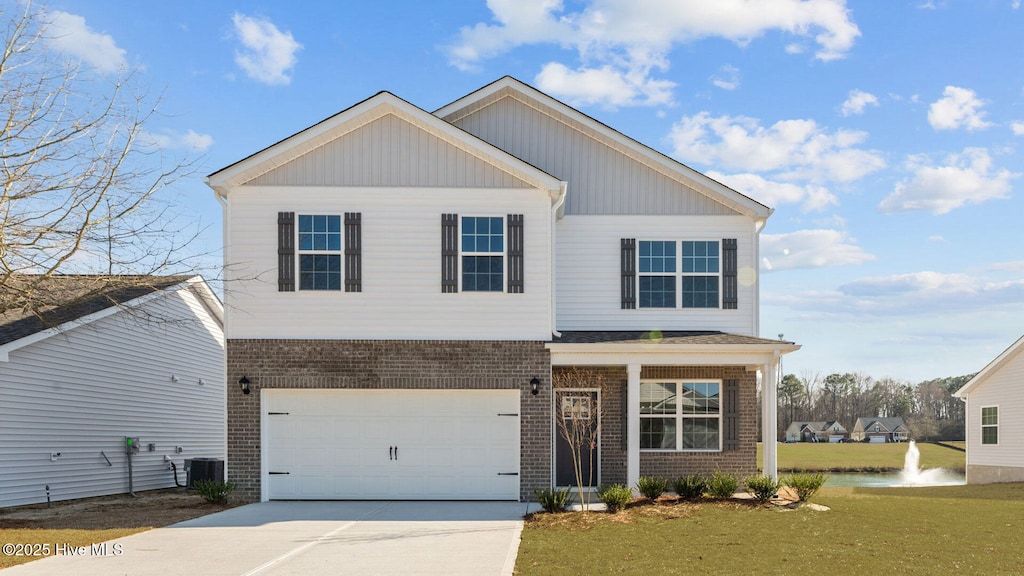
x,y
995,419
404,287
880,429
112,358
823,431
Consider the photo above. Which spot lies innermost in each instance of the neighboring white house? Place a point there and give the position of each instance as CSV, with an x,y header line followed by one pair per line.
x,y
880,429
403,287
141,358
823,431
994,401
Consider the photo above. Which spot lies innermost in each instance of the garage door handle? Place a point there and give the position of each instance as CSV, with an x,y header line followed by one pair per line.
x,y
275,473
396,452
391,452
508,473
500,414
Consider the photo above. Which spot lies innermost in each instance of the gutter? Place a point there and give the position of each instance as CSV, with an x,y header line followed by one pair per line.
x,y
555,207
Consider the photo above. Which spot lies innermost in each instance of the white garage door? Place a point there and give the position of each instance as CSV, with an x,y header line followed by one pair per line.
x,y
391,444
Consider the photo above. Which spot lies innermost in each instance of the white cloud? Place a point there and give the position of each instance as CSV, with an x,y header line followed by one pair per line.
x,y
1018,128
810,249
857,101
636,37
69,34
798,149
727,78
267,55
966,178
171,139
770,193
605,86
958,108
938,238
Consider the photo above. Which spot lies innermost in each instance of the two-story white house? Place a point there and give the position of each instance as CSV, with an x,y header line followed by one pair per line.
x,y
404,286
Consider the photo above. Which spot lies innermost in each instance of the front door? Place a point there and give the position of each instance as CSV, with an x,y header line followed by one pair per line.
x,y
577,422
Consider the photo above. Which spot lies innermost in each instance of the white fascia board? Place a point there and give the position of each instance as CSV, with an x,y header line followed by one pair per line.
x,y
361,114
6,349
671,168
753,355
992,367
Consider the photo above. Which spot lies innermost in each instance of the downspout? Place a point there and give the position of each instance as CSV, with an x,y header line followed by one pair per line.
x,y
223,200
559,202
759,225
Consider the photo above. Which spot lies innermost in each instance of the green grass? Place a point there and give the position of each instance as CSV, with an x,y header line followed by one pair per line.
x,y
938,530
861,456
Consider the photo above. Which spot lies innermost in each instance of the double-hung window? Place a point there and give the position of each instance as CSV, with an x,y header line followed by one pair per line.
x,y
483,253
682,415
990,425
679,274
320,250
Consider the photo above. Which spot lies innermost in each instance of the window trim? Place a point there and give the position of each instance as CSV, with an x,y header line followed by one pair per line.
x,y
983,426
679,274
504,254
679,416
340,253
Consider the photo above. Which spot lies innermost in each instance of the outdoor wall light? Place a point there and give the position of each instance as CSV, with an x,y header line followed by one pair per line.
x,y
244,383
534,383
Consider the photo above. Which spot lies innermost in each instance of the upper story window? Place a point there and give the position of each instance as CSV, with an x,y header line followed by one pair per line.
x,y
679,274
319,252
483,253
990,425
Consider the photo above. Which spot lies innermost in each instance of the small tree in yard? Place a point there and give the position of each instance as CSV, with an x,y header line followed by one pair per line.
x,y
577,423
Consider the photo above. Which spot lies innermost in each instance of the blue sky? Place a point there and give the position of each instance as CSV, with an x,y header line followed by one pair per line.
x,y
884,134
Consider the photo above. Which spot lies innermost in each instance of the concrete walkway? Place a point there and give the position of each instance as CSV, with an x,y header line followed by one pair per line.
x,y
307,538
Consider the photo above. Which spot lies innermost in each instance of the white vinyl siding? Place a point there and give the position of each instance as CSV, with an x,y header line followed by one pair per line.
x,y
1003,388
389,151
603,179
80,392
401,294
588,273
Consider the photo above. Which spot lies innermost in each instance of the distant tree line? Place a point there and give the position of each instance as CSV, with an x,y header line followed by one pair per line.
x,y
928,407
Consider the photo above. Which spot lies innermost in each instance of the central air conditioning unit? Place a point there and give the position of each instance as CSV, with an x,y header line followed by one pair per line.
x,y
197,469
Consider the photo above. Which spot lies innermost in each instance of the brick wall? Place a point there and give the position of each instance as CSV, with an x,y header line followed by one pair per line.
x,y
613,379
386,364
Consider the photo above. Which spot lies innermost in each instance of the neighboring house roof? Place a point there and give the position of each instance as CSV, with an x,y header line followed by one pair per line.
x,y
1009,354
361,114
820,426
652,158
63,299
888,424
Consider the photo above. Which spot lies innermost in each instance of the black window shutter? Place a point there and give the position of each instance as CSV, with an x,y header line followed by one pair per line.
x,y
353,252
628,266
730,288
449,253
514,223
731,415
286,251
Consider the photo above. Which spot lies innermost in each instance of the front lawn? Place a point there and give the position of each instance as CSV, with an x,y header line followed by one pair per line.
x,y
935,530
860,456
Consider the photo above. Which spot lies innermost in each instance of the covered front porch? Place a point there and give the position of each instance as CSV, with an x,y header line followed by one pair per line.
x,y
670,403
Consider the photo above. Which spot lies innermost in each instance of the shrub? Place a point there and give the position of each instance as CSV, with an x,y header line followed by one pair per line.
x,y
212,491
690,487
651,486
723,485
762,487
805,484
615,496
553,499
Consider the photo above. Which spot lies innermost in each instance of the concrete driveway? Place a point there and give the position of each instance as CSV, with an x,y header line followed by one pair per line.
x,y
303,538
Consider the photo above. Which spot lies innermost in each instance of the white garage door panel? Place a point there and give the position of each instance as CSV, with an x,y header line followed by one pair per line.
x,y
383,444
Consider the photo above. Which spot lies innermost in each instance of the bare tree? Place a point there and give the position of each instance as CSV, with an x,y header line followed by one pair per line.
x,y
81,183
577,420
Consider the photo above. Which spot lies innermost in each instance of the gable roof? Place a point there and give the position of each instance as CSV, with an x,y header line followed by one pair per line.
x,y
889,423
1009,354
611,137
63,301
361,114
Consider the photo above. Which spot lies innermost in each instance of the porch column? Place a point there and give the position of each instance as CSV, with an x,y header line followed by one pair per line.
x,y
633,425
769,417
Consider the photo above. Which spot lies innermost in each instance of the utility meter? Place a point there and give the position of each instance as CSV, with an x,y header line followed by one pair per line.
x,y
131,445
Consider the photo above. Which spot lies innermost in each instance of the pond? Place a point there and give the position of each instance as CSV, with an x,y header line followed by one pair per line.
x,y
932,477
